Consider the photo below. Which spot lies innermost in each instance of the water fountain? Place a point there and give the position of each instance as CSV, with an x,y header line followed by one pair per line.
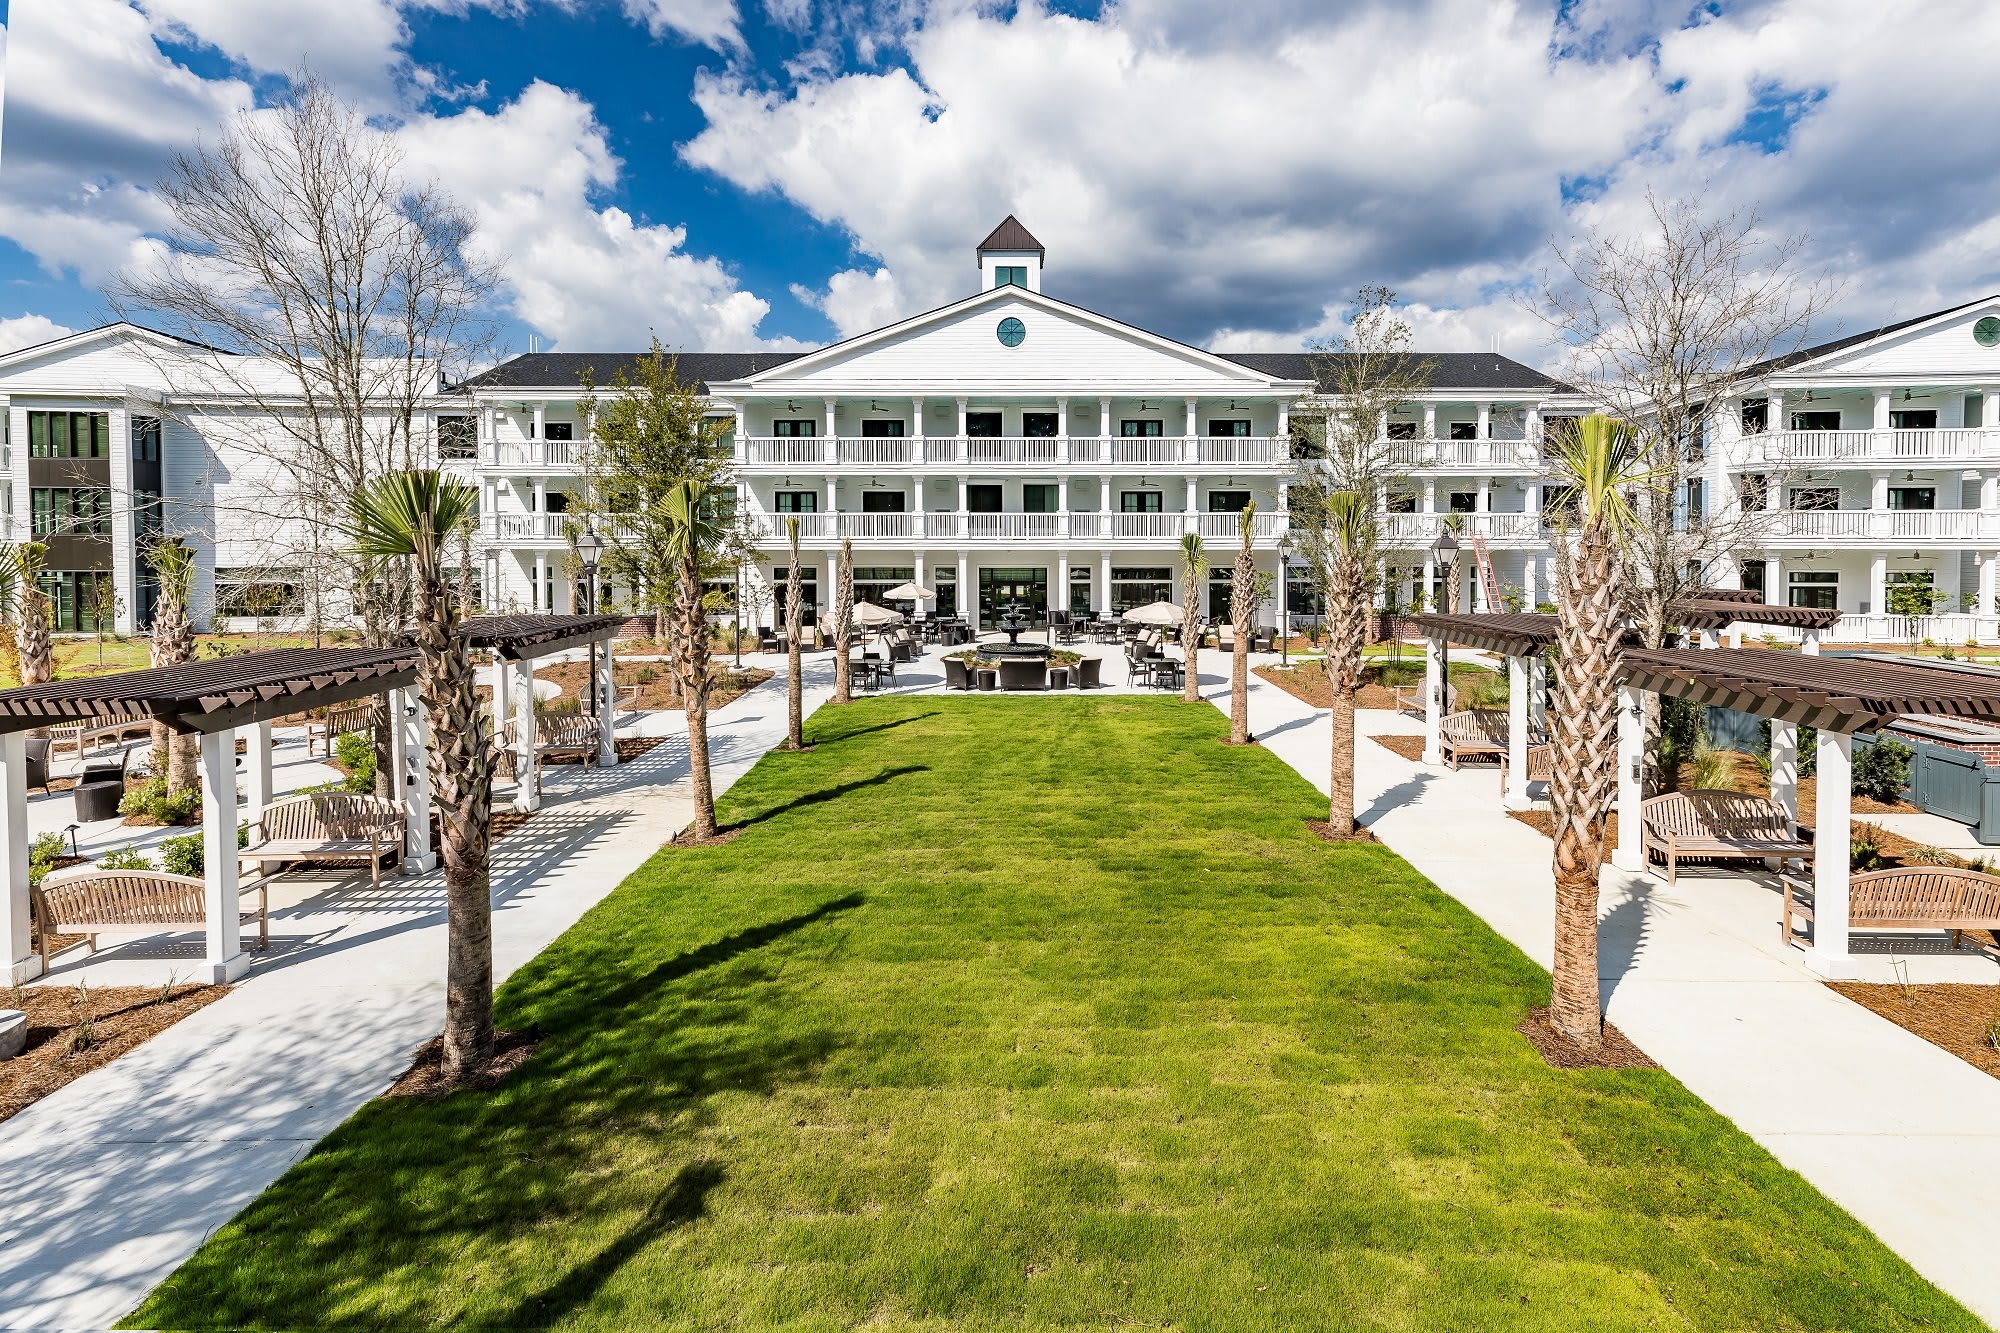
x,y
1013,621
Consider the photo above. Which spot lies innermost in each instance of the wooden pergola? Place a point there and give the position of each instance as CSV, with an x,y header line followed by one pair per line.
x,y
1518,636
519,641
1839,696
214,699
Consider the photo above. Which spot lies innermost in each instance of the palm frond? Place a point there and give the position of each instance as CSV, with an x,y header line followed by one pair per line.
x,y
1603,459
409,513
1194,557
1246,520
1351,522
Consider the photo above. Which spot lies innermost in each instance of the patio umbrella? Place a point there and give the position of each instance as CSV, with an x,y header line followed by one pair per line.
x,y
1155,613
870,616
910,592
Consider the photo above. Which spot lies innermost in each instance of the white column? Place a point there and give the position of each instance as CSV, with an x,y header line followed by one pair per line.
x,y
1193,421
1774,581
1485,430
1430,495
527,796
1774,410
1430,577
917,573
503,697
1104,503
1828,956
964,449
917,441
541,411
965,589
23,963
1104,417
1062,420
1881,420
257,769
832,431
1809,643
1531,572
1516,795
607,707
1437,670
1483,496
1631,745
1989,482
1989,582
1284,421
419,854
1538,693
1103,589
1430,421
1878,585
224,957
1878,491
1785,769
1059,595
737,446
541,581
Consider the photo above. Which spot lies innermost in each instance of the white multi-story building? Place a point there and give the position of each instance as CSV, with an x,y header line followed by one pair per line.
x,y
1014,447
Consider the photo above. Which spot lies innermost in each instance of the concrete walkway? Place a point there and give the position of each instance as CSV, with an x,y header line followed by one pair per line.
x,y
1880,1121
108,1184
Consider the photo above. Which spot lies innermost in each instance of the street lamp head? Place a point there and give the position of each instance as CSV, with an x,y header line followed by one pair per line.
x,y
588,547
1285,548
1446,546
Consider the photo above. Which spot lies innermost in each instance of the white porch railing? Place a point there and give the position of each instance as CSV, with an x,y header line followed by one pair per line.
x,y
877,450
1487,455
525,527
988,449
873,527
1885,525
783,450
1227,527
533,453
1149,527
947,526
1886,446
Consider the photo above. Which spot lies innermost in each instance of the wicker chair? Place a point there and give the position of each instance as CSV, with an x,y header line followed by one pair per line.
x,y
957,674
1020,674
90,900
1089,673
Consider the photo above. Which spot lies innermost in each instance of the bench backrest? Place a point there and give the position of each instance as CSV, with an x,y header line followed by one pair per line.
x,y
331,815
1709,812
89,896
1015,672
565,730
1478,726
1923,893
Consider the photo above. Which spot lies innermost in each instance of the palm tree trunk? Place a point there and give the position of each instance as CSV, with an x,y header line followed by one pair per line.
x,y
1583,729
1242,611
694,659
1340,778
1191,633
795,729
843,624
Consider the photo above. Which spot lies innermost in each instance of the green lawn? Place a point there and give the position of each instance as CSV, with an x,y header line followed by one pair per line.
x,y
1048,1012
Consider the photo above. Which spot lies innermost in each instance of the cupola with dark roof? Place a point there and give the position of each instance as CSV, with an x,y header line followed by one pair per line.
x,y
1010,255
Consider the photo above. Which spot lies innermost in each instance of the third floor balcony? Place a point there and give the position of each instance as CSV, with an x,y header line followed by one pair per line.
x,y
946,452
1861,447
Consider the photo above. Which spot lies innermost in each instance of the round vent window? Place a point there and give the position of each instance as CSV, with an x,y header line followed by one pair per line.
x,y
1012,331
1987,332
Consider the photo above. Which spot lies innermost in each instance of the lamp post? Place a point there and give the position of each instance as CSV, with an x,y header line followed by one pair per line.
x,y
1285,600
1443,551
589,546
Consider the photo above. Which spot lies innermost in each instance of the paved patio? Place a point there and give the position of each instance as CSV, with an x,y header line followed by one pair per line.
x,y
1879,1120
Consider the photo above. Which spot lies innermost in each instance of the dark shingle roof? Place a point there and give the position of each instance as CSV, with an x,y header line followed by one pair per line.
x,y
562,370
1011,235
1805,354
1454,370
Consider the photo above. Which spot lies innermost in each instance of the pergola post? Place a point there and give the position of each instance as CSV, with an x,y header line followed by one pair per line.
x,y
1538,692
503,698
257,769
607,707
419,854
527,794
23,962
1809,643
1828,956
1630,854
1516,795
1437,670
225,959
1785,770
399,763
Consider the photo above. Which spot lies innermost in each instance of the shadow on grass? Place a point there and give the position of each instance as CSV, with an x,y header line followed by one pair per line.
x,y
890,725
832,793
717,952
685,1200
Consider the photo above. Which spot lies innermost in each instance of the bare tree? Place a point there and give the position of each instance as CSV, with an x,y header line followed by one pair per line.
x,y
298,241
1665,329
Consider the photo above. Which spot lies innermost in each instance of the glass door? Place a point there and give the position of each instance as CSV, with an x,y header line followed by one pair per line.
x,y
998,588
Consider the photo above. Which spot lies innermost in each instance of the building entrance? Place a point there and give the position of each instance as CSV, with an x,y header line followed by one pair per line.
x,y
998,587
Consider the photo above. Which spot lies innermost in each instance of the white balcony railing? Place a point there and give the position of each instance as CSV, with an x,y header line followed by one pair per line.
x,y
949,526
1486,455
554,454
1883,525
783,450
878,450
1227,527
875,527
1883,446
1013,449
1411,530
1255,451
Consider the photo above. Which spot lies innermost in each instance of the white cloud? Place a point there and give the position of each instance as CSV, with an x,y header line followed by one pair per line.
x,y
28,330
706,22
856,301
356,45
588,277
1235,172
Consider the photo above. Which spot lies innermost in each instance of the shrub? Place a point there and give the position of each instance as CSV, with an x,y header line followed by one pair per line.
x,y
1923,854
645,675
43,853
1883,770
1863,855
125,858
1712,767
356,752
183,855
151,800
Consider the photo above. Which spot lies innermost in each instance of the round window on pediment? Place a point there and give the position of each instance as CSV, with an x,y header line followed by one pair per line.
x,y
1987,332
1011,332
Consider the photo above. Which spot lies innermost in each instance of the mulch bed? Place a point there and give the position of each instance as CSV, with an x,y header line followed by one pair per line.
x,y
1963,1019
1615,1052
121,1017
1543,822
687,838
731,686
425,1076
1323,830
1405,747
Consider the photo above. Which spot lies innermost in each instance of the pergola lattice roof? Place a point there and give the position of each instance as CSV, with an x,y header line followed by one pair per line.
x,y
1509,633
1833,693
1711,612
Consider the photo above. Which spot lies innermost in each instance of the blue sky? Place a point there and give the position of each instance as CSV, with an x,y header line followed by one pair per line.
x,y
741,173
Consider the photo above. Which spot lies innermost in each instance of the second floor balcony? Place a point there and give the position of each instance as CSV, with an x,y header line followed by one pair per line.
x,y
1861,447
1880,526
1048,451
950,526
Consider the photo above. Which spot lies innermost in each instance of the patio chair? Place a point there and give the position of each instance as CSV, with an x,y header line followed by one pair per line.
x,y
1020,674
38,748
1088,674
768,640
957,674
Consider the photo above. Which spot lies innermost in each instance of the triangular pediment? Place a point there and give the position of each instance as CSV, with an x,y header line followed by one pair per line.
x,y
1955,343
1013,340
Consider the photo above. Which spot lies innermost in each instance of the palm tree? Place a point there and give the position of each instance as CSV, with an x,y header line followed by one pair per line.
x,y
1454,590
1599,459
695,534
1242,618
1194,572
410,515
31,628
795,725
172,565
843,623
1351,529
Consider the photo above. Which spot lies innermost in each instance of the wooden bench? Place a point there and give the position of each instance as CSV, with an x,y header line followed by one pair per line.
x,y
1475,732
556,735
1541,763
1410,698
1719,826
338,721
87,735
89,900
342,827
1964,902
